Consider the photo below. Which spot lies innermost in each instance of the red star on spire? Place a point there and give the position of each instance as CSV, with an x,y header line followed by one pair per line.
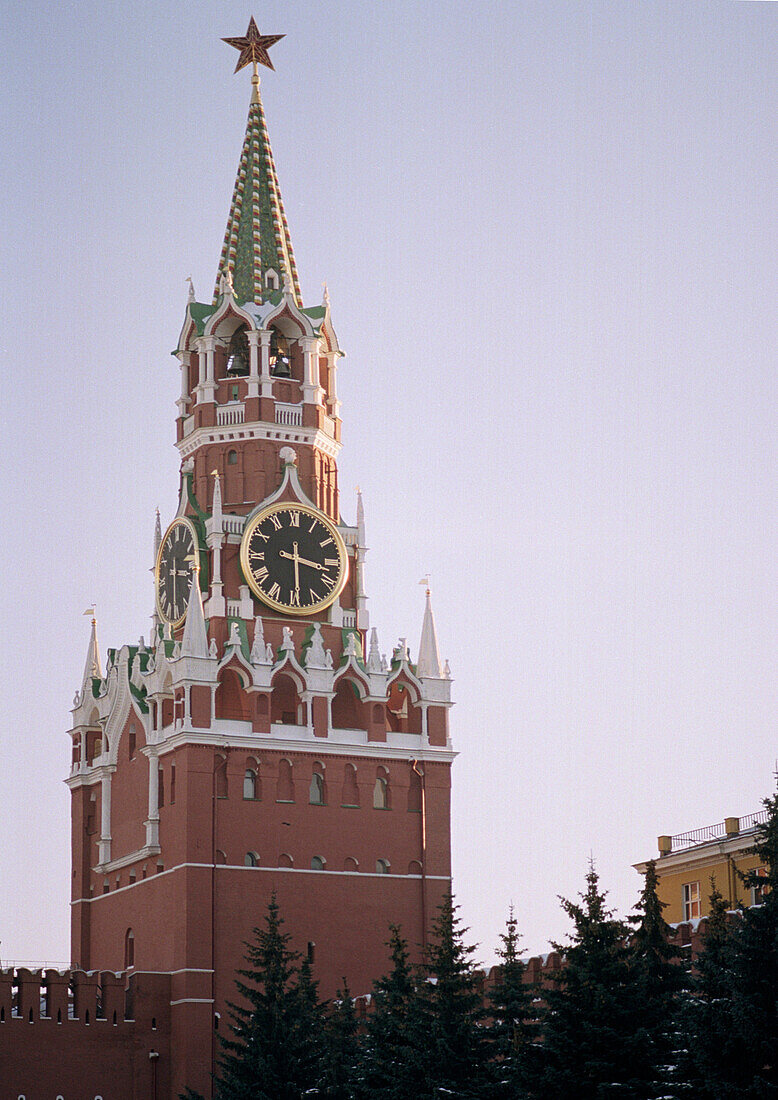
x,y
254,46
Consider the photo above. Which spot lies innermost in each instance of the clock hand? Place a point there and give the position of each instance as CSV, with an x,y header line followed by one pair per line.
x,y
302,561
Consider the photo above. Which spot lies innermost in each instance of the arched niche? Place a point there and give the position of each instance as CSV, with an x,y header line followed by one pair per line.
x,y
402,710
348,710
231,699
285,704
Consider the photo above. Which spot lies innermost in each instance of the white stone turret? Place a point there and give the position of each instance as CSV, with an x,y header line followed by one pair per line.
x,y
214,537
92,666
195,640
428,663
363,618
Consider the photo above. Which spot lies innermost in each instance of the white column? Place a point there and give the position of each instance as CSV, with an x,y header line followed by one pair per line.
x,y
185,358
265,379
152,824
209,385
312,392
104,855
253,387
332,363
200,370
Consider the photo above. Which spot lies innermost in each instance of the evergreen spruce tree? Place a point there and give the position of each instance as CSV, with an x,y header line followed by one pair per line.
x,y
394,1046
753,970
457,1061
275,1053
341,1049
659,981
512,1030
711,1052
591,1025
732,1020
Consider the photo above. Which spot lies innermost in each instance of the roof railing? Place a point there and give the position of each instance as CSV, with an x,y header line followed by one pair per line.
x,y
729,827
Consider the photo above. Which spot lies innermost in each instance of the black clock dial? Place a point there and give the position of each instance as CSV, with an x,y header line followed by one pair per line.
x,y
293,558
174,570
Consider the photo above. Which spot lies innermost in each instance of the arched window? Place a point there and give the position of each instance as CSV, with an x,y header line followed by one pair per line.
x,y
131,742
414,867
285,788
284,701
285,860
414,793
221,856
317,863
129,949
172,784
382,866
316,790
249,785
161,788
381,790
347,707
350,795
251,859
238,354
280,356
221,777
231,700
232,458
350,864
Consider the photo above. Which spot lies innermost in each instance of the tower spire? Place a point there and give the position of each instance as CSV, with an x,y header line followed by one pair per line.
x,y
92,667
195,640
257,240
428,663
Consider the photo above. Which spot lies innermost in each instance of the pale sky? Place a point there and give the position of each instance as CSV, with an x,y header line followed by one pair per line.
x,y
549,235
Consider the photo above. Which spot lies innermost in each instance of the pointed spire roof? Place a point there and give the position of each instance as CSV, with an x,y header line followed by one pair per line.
x,y
92,667
195,640
428,663
257,237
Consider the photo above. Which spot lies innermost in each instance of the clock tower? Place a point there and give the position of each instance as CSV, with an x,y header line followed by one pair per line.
x,y
259,742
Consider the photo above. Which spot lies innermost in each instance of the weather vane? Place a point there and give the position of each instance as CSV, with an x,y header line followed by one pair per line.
x,y
253,48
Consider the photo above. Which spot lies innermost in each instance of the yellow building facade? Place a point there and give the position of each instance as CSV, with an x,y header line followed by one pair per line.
x,y
687,862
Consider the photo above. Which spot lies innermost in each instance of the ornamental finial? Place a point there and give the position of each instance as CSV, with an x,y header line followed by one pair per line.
x,y
253,48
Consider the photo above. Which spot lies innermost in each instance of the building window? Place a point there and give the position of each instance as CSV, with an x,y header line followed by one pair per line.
x,y
250,785
317,863
316,790
381,793
129,949
758,892
161,788
382,866
238,353
131,742
221,777
232,458
350,796
172,784
691,900
251,860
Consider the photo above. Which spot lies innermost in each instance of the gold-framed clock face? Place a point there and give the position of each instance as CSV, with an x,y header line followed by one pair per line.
x,y
294,558
173,570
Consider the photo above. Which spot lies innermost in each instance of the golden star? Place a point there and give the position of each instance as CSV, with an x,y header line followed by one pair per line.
x,y
254,46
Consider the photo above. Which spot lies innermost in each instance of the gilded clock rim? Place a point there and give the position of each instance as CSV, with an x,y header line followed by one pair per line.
x,y
285,506
187,522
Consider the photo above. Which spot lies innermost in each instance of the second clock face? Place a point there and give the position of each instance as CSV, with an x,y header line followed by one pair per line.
x,y
294,558
174,570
